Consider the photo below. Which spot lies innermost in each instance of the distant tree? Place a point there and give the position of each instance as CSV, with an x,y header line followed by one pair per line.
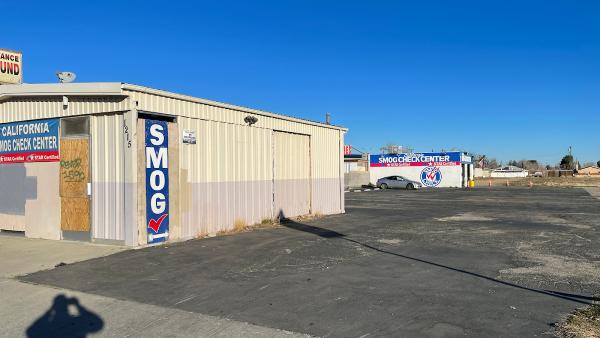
x,y
567,163
598,163
392,148
492,163
513,163
548,167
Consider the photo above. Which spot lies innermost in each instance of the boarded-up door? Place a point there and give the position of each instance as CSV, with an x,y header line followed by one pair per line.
x,y
291,174
74,178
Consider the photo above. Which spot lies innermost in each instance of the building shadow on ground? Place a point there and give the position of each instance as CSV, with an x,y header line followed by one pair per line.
x,y
330,234
59,321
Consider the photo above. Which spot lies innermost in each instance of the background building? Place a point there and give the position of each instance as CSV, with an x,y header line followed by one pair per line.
x,y
127,164
356,170
509,171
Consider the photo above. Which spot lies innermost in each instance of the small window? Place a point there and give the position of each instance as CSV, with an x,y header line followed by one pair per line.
x,y
75,127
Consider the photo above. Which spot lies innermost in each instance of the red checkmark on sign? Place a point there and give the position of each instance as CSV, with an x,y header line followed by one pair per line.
x,y
431,175
155,224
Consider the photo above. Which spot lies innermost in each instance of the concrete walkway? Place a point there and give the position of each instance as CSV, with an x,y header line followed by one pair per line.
x,y
40,311
595,192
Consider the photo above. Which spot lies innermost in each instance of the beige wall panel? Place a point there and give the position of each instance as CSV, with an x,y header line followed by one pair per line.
x,y
42,214
291,167
108,143
29,199
174,190
15,189
12,222
142,231
225,178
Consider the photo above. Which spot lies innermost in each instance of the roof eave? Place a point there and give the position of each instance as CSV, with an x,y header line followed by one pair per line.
x,y
61,89
137,88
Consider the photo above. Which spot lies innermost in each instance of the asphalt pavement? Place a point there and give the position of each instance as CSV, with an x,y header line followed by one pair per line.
x,y
447,262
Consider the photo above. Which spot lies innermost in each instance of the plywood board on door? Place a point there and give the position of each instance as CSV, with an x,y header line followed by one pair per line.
x,y
74,167
75,214
74,179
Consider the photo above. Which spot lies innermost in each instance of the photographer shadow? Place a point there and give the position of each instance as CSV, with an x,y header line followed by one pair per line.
x,y
59,322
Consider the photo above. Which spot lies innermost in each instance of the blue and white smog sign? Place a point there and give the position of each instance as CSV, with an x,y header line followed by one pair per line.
x,y
157,180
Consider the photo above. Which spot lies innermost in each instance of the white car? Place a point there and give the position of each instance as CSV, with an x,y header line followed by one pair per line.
x,y
397,182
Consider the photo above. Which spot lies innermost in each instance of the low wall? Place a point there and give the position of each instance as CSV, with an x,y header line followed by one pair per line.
x,y
478,172
356,179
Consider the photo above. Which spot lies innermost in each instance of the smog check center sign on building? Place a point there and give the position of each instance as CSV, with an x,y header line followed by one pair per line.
x,y
431,169
415,160
32,141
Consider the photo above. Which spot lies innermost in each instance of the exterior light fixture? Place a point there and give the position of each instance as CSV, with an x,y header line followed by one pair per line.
x,y
250,120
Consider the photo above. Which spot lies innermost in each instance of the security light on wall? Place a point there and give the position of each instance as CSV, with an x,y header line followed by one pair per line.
x,y
250,120
66,77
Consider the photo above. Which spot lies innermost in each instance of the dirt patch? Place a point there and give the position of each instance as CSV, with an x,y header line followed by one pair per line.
x,y
390,241
555,220
466,217
241,226
486,231
582,323
557,266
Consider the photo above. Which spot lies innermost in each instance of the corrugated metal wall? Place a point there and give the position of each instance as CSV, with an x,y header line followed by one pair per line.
x,y
226,178
291,168
326,143
108,176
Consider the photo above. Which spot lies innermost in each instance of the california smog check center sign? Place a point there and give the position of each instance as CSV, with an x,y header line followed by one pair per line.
x,y
32,141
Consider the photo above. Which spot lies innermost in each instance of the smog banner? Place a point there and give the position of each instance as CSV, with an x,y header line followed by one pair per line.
x,y
157,180
415,160
32,141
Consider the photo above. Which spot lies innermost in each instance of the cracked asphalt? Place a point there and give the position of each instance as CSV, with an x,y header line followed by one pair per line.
x,y
446,262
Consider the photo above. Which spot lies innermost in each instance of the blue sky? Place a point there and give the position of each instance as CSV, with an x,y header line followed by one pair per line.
x,y
509,79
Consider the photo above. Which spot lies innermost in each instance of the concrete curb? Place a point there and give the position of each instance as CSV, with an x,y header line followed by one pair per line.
x,y
361,190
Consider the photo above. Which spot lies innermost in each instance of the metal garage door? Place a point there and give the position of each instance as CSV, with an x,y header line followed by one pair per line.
x,y
291,174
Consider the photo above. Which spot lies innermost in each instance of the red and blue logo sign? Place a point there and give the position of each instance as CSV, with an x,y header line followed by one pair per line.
x,y
431,176
157,180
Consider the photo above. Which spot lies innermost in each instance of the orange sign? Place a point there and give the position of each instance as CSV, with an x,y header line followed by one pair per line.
x,y
11,67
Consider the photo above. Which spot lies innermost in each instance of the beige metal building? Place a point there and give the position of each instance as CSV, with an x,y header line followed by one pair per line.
x,y
223,166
